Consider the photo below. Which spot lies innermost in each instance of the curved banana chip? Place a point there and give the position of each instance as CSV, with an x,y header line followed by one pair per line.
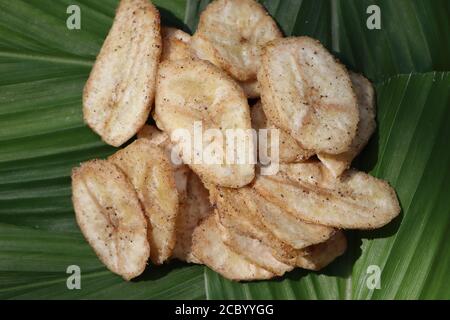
x,y
306,92
307,190
338,163
194,208
230,34
209,248
149,170
254,251
110,217
176,44
288,148
238,214
193,196
119,93
320,255
195,98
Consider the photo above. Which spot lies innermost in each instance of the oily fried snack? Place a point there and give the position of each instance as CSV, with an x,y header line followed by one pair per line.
x,y
307,93
230,34
285,226
337,163
151,174
194,93
193,197
110,217
209,248
253,250
193,208
239,215
119,93
176,44
289,149
320,255
307,190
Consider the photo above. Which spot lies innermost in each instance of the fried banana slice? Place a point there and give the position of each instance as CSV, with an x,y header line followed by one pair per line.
x,y
307,93
194,96
152,176
320,255
338,163
120,90
209,248
239,215
110,217
253,250
176,44
308,190
230,34
289,149
194,208
285,226
193,196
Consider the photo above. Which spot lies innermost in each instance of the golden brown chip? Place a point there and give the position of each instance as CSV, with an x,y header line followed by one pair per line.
x,y
289,150
309,191
253,250
338,163
176,44
193,208
149,170
305,92
236,213
230,34
209,248
110,217
119,94
320,255
195,96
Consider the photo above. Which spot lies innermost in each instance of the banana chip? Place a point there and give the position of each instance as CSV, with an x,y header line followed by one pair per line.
x,y
338,163
307,190
230,34
307,93
209,248
119,93
238,214
110,217
253,250
193,209
176,44
289,149
151,174
194,95
194,198
320,255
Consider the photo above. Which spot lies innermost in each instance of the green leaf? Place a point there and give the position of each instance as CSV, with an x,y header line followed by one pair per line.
x,y
42,137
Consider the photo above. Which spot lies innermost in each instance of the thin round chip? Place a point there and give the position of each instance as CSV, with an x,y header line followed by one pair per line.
x,y
306,92
209,248
119,93
110,217
207,116
338,163
176,44
230,34
289,150
320,255
149,170
307,190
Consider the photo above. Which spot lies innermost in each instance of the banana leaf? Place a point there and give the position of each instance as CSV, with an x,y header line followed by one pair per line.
x,y
43,67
